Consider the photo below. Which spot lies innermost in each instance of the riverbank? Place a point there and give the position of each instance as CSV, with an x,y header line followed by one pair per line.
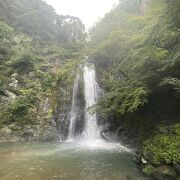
x,y
158,155
30,133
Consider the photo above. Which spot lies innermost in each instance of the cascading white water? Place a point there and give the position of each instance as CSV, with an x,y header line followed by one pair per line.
x,y
90,137
74,111
91,130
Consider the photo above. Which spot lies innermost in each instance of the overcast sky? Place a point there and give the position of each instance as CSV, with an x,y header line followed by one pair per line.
x,y
89,11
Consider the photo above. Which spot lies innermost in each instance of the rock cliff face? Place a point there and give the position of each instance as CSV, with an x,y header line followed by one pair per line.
x,y
63,109
34,124
35,53
35,106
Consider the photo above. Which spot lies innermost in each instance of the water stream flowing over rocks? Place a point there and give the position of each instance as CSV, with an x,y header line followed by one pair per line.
x,y
91,130
90,135
74,109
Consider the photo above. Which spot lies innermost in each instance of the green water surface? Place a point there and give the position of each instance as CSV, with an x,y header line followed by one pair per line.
x,y
65,161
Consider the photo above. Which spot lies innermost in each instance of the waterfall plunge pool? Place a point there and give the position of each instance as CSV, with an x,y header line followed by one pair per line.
x,y
66,161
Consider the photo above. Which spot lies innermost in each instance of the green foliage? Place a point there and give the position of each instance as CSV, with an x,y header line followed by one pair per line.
x,y
47,80
5,31
148,170
23,64
18,111
135,40
122,99
177,129
164,147
68,71
173,82
39,20
136,51
173,13
31,68
20,106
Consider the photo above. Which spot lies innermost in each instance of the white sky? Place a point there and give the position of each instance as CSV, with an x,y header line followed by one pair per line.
x,y
89,11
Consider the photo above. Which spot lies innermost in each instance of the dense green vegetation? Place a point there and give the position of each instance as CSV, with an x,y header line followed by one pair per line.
x,y
136,49
141,55
39,20
35,46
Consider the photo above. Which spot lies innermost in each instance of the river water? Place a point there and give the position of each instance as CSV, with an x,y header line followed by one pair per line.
x,y
66,161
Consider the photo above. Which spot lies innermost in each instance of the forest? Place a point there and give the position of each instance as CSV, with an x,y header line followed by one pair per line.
x,y
135,50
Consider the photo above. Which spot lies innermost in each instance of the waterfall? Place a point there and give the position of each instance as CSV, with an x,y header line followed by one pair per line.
x,y
74,110
90,132
91,129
